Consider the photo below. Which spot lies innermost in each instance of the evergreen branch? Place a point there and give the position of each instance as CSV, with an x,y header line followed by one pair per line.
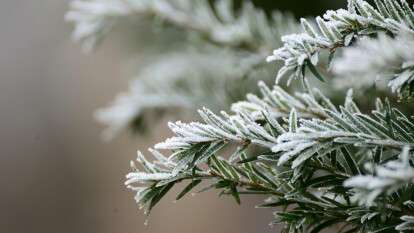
x,y
197,143
304,164
338,29
347,127
322,164
245,126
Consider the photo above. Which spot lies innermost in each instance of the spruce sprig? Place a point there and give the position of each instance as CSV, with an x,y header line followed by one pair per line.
x,y
300,160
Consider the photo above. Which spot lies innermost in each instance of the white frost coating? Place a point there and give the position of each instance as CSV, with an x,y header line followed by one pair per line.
x,y
278,104
313,135
369,62
242,126
286,146
154,171
345,127
172,144
142,177
295,151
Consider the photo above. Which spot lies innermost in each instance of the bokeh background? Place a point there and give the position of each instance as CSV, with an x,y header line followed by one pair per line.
x,y
56,174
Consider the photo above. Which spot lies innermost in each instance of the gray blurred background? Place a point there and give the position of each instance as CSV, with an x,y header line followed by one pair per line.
x,y
56,174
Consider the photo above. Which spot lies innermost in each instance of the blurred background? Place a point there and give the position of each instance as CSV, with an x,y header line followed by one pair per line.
x,y
57,175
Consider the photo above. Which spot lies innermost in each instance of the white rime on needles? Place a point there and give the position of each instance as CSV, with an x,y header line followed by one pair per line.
x,y
338,29
242,126
383,59
300,132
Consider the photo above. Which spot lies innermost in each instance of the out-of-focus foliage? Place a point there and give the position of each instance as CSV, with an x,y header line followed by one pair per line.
x,y
180,81
369,62
226,51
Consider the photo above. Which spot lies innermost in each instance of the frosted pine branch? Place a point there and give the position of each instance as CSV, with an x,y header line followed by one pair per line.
x,y
343,128
315,153
338,29
243,126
